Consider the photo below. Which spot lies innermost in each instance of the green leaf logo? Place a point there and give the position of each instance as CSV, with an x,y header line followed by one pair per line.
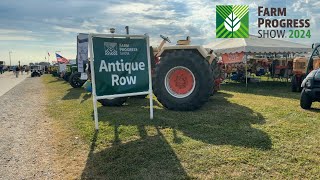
x,y
232,21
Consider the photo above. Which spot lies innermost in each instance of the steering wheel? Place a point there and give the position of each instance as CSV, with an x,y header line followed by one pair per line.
x,y
165,38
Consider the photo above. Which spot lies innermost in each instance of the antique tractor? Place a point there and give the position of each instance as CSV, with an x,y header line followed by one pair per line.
x,y
184,75
299,73
36,70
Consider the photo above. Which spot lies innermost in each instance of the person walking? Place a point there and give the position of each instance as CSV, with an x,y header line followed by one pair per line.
x,y
1,69
17,71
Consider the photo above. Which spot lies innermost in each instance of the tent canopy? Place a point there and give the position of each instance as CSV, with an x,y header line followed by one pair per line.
x,y
253,44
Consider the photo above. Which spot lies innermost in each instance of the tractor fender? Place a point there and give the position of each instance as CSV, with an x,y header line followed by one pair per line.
x,y
202,51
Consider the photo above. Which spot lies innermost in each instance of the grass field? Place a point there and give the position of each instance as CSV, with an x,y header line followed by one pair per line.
x,y
260,133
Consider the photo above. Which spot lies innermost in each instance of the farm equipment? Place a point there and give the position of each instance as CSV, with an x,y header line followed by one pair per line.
x,y
311,84
299,69
183,78
302,67
311,89
314,61
75,78
36,70
70,68
53,70
184,75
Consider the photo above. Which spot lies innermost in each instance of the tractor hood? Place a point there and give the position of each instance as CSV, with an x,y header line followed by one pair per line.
x,y
200,49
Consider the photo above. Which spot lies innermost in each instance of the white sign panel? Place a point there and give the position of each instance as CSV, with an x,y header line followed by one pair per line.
x,y
82,51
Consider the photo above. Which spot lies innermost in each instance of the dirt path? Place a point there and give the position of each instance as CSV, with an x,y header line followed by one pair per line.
x,y
26,150
8,81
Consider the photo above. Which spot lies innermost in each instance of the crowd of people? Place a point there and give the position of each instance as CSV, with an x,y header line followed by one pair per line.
x,y
15,69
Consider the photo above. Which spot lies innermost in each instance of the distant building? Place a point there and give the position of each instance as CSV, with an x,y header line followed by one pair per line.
x,y
44,64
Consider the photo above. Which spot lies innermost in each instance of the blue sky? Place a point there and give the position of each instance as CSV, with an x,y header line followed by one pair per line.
x,y
30,28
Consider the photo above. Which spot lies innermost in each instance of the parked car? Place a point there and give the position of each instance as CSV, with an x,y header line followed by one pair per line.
x,y
311,89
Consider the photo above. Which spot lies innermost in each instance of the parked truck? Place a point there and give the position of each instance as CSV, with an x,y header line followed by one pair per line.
x,y
311,84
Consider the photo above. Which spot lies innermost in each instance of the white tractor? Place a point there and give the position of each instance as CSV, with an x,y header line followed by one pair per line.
x,y
184,75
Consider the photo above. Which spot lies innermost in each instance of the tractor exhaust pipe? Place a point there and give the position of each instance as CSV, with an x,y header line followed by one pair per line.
x,y
127,29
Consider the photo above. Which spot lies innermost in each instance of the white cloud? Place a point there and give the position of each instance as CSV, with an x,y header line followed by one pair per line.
x,y
13,31
17,38
74,30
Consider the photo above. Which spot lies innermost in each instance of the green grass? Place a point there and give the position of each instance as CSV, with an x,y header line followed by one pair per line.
x,y
260,133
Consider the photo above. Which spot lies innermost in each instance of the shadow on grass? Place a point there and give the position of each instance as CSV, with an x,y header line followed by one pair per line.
x,y
73,93
58,80
219,122
150,157
314,110
86,97
264,88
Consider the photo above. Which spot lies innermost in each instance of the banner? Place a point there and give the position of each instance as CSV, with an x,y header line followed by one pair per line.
x,y
82,51
120,65
232,58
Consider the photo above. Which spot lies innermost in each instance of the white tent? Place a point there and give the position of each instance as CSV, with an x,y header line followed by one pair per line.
x,y
253,44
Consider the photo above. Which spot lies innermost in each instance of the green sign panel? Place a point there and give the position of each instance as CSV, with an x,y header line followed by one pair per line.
x,y
120,65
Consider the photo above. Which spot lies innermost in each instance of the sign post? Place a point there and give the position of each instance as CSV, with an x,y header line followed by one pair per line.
x,y
120,67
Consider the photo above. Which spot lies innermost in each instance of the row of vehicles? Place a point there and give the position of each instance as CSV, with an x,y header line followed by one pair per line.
x,y
185,76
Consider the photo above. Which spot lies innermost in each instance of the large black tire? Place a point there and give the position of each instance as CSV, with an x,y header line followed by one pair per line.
x,y
140,96
294,87
75,80
34,74
113,102
305,100
192,62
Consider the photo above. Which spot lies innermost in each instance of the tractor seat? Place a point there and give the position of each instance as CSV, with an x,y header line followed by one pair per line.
x,y
184,42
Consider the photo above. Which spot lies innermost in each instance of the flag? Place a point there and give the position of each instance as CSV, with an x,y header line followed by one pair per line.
x,y
61,59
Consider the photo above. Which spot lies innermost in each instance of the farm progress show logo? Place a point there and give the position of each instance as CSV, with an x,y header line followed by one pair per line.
x,y
232,21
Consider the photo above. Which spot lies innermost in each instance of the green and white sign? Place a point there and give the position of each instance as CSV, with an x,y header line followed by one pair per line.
x,y
120,65
232,21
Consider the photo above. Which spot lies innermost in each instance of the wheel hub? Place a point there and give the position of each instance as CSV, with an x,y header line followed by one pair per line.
x,y
180,82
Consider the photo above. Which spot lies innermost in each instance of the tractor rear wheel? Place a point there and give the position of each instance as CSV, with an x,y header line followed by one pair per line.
x,y
75,80
113,101
183,80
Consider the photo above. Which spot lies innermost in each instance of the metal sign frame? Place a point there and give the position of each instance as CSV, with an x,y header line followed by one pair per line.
x,y
94,95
